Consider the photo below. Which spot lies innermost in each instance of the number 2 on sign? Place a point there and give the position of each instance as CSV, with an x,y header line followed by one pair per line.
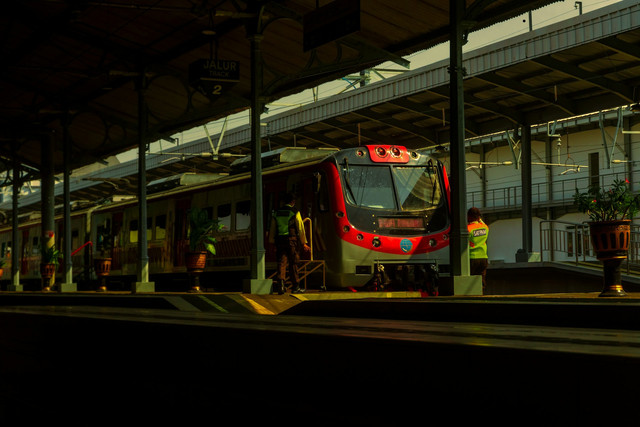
x,y
217,90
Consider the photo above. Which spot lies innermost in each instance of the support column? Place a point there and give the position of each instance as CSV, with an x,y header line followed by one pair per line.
x,y
143,284
462,282
16,253
47,184
525,254
257,284
67,285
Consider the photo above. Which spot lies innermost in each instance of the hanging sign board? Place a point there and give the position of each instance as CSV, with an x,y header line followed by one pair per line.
x,y
330,22
213,76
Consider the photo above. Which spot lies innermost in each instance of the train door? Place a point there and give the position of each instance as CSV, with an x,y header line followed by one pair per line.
x,y
180,230
273,192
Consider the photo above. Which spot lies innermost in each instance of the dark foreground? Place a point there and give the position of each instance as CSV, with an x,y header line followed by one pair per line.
x,y
526,361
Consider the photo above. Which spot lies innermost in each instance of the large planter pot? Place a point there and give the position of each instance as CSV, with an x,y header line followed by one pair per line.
x,y
47,271
195,263
611,238
102,267
611,245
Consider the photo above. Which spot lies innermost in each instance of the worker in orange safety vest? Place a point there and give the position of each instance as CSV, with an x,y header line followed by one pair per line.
x,y
478,234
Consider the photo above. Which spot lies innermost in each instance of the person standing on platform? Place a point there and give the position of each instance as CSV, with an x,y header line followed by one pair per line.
x,y
287,232
478,234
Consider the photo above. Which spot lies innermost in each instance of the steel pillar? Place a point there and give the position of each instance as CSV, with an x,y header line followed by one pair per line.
x,y
67,285
16,253
257,284
526,253
47,210
143,284
462,282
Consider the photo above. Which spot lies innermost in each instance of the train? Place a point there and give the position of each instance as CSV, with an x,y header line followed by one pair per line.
x,y
377,216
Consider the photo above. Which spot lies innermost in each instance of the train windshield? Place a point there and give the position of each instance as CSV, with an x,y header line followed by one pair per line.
x,y
405,188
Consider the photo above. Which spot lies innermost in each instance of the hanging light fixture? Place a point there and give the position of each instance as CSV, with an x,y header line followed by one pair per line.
x,y
209,31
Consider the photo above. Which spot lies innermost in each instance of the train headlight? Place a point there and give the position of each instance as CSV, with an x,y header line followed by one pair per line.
x,y
376,242
360,153
395,152
346,228
339,214
380,151
433,242
445,237
360,237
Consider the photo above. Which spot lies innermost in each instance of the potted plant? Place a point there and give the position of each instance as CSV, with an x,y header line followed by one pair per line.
x,y
201,242
610,211
48,263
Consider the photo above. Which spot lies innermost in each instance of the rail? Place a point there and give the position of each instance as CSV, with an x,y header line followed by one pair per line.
x,y
570,242
89,243
308,266
557,193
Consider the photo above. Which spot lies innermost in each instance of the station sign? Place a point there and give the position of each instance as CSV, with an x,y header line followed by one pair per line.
x,y
213,77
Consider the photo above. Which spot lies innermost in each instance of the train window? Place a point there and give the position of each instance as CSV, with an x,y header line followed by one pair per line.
x,y
243,215
133,231
161,227
417,187
224,216
323,192
369,186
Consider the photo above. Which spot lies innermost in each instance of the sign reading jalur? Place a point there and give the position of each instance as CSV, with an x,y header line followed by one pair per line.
x,y
213,76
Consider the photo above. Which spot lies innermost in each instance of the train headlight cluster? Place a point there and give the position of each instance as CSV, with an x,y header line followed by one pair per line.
x,y
381,151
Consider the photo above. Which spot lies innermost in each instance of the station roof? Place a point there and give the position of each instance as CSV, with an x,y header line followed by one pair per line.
x,y
583,65
81,62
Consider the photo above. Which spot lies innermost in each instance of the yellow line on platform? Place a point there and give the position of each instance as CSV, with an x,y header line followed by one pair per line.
x,y
257,307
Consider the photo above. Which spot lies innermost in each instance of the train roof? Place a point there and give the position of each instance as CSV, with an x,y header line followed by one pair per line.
x,y
281,156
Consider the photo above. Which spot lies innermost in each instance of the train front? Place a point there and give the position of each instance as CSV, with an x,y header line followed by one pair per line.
x,y
391,219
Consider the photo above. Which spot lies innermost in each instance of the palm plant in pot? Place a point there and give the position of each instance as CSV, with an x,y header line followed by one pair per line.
x,y
48,263
610,211
201,242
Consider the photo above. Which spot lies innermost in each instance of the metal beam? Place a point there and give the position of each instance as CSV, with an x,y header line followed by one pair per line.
x,y
623,91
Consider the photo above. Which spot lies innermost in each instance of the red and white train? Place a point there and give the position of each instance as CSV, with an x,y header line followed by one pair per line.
x,y
366,209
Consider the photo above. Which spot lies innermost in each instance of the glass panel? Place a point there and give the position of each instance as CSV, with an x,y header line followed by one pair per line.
x,y
224,216
243,215
418,187
368,186
161,227
133,231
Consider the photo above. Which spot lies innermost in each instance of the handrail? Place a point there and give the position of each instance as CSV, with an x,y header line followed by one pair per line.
x,y
310,237
555,192
82,247
582,242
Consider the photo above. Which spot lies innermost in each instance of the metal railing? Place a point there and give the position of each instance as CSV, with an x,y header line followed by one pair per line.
x,y
555,193
565,241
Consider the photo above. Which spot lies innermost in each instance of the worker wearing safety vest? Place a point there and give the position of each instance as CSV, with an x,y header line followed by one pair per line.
x,y
287,232
478,234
